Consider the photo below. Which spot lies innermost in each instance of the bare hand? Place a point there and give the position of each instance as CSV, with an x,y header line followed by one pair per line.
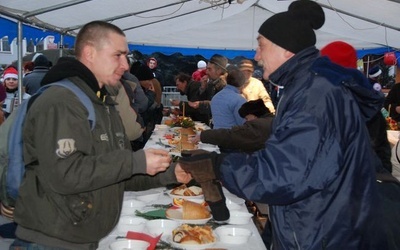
x,y
151,87
194,139
204,82
398,109
181,175
157,160
194,105
175,102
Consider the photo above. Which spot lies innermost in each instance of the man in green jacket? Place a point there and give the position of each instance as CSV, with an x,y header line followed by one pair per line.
x,y
72,193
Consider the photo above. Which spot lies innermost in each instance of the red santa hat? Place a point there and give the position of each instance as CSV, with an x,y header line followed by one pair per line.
x,y
10,72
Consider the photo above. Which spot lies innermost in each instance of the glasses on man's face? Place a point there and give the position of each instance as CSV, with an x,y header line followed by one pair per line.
x,y
11,79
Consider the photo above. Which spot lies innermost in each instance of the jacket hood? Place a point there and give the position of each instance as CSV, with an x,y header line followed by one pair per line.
x,y
70,67
369,100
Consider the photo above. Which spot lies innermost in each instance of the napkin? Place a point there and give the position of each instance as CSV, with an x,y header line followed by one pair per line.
x,y
142,236
151,215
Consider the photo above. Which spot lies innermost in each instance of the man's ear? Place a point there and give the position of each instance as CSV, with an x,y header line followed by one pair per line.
x,y
287,54
88,53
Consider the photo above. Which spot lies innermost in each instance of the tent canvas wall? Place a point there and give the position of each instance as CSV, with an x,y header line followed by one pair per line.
x,y
210,24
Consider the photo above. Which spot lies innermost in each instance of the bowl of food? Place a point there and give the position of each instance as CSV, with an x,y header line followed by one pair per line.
x,y
161,226
239,217
123,244
233,235
130,223
130,206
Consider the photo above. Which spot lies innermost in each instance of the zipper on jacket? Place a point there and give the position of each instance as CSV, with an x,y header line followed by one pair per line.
x,y
280,98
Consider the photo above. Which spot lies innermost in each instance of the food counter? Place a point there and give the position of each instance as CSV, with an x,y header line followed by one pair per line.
x,y
162,199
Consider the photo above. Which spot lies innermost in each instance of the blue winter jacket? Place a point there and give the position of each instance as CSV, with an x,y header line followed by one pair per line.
x,y
317,169
225,107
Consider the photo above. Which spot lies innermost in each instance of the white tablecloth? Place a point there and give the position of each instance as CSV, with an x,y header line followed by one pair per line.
x,y
255,242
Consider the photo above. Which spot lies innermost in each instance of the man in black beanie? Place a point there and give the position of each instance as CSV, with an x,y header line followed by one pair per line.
x,y
32,81
316,172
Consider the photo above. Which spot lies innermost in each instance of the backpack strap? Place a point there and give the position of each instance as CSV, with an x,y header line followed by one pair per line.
x,y
14,174
85,100
15,148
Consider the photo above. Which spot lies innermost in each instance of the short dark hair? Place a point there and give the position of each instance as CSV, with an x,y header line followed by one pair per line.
x,y
183,77
95,32
235,78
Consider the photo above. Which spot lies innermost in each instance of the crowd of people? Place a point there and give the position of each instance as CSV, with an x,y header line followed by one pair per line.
x,y
314,159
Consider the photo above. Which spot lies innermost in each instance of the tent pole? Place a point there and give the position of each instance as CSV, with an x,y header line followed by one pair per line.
x,y
61,44
19,62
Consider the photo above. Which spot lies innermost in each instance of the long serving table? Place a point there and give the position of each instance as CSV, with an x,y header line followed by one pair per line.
x,y
254,243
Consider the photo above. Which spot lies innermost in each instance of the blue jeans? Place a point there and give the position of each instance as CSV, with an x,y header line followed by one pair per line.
x,y
19,244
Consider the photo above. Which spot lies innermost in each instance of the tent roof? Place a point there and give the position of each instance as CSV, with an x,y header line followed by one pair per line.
x,y
217,25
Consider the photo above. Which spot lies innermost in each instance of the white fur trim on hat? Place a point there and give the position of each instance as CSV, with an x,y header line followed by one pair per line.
x,y
376,74
10,75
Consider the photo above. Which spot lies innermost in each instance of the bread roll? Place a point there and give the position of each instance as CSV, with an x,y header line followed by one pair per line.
x,y
194,211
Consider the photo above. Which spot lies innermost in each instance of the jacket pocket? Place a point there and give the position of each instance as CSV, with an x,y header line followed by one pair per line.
x,y
80,207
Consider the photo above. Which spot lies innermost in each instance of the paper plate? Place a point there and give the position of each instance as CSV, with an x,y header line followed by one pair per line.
x,y
186,197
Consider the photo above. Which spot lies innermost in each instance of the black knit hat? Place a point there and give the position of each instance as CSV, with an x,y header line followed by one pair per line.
x,y
294,29
256,107
141,71
41,61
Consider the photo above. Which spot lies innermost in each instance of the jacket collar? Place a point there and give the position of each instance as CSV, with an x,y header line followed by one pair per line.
x,y
283,75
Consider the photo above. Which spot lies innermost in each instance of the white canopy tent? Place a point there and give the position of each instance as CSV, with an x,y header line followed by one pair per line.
x,y
210,23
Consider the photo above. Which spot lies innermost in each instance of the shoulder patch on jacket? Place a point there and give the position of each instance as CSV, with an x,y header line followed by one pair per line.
x,y
65,147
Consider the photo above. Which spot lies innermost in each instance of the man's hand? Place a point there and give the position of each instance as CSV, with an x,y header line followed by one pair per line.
x,y
157,160
398,109
194,139
204,82
175,102
151,87
194,105
181,175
